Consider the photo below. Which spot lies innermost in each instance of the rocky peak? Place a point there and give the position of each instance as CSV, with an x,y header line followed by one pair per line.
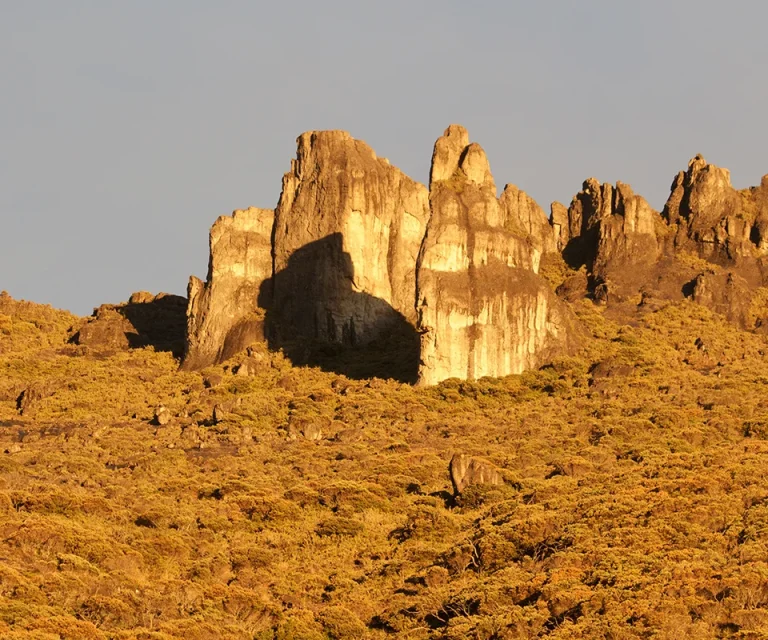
x,y
701,195
348,227
474,164
719,223
482,309
447,153
525,217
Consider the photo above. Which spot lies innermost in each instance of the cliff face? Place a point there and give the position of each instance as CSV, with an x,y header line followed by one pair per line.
x,y
223,314
348,228
482,310
359,256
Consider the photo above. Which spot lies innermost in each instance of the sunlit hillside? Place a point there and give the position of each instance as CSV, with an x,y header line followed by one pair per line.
x,y
293,503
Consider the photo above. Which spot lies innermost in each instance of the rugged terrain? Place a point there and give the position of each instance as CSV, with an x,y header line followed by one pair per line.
x,y
138,501
256,461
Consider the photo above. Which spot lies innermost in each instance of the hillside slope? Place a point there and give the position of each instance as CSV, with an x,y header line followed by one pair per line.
x,y
295,503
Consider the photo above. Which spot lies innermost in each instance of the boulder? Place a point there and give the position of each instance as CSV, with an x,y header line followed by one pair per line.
x,y
31,397
725,293
145,320
466,470
162,416
106,329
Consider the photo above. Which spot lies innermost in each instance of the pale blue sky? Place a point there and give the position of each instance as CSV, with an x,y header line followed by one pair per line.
x,y
126,128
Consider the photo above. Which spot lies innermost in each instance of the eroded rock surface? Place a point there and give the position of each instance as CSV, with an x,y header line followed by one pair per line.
x,y
145,320
482,309
721,224
467,470
223,315
614,232
348,228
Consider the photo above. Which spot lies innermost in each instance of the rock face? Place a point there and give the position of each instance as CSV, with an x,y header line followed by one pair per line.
x,y
443,282
719,223
615,233
628,248
359,254
145,320
482,310
347,233
223,315
725,293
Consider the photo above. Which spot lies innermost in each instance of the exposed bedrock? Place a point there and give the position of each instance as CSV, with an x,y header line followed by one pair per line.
x,y
482,310
337,265
613,232
356,223
223,314
361,270
723,225
628,248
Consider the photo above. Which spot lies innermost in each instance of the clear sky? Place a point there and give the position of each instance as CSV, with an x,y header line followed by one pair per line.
x,y
126,128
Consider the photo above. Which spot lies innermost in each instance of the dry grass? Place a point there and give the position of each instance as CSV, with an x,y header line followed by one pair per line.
x,y
636,504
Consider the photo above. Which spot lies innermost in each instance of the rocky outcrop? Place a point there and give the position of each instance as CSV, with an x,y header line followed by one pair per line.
x,y
523,216
359,254
482,310
725,293
223,315
347,233
614,232
146,320
721,224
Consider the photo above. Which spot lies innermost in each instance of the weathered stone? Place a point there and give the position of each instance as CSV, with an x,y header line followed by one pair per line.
x,y
339,263
223,315
32,396
719,223
145,320
558,218
483,311
725,293
523,215
106,329
348,228
162,416
466,470
574,287
615,233
212,380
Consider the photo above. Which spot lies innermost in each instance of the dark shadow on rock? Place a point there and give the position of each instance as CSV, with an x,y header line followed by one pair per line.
x,y
317,317
144,321
160,322
582,250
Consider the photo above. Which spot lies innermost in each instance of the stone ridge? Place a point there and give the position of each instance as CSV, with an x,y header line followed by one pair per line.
x,y
357,255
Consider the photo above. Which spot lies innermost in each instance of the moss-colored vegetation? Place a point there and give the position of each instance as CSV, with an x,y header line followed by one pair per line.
x,y
636,502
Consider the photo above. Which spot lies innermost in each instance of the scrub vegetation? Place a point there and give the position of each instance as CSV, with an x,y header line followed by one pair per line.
x,y
293,503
